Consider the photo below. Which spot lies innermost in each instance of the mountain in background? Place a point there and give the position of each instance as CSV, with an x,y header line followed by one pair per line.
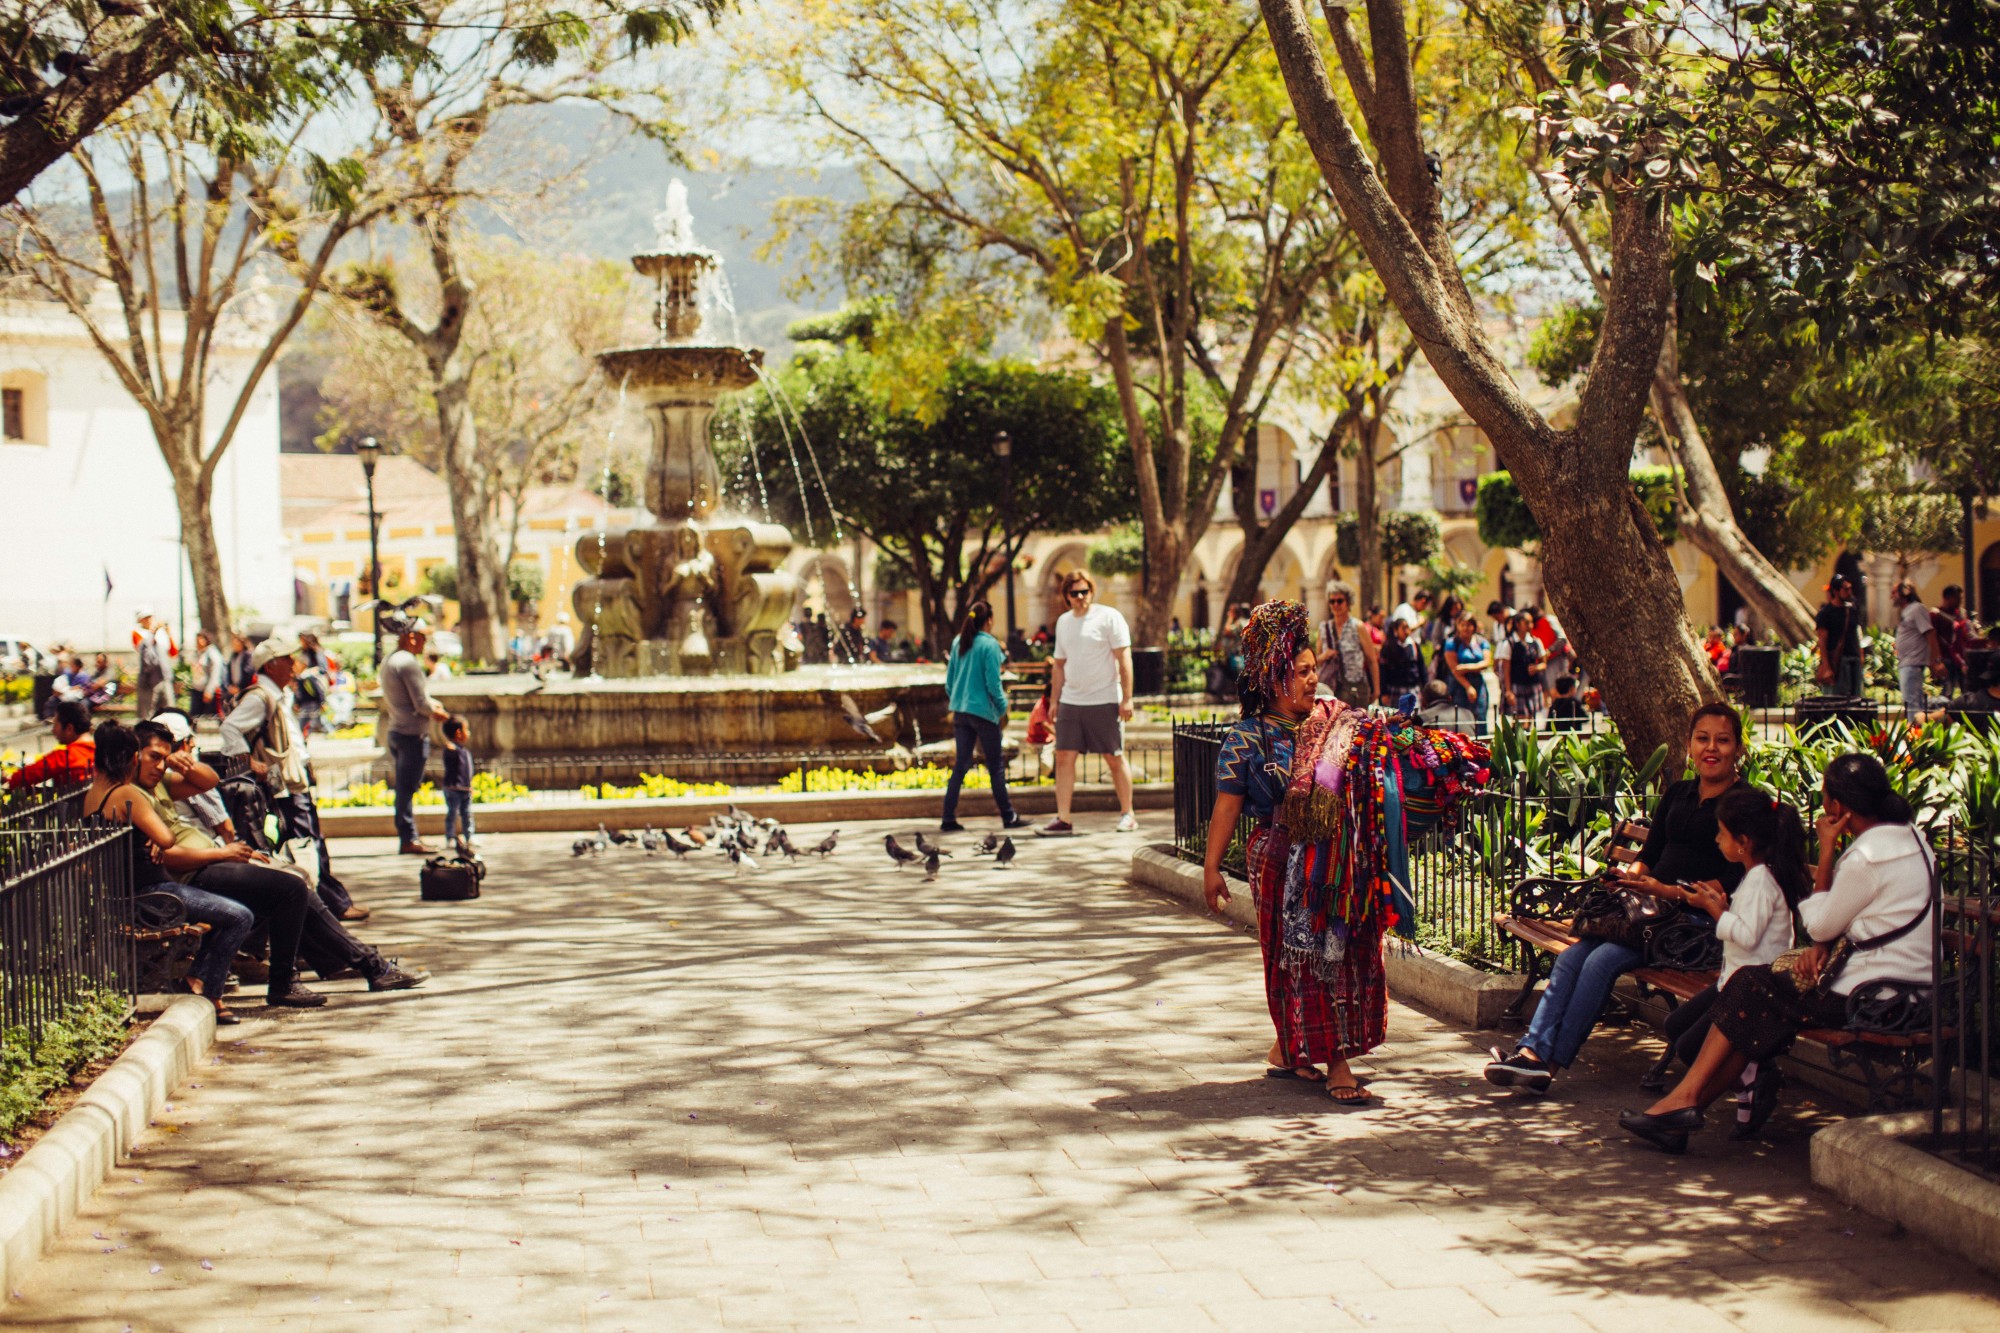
x,y
610,215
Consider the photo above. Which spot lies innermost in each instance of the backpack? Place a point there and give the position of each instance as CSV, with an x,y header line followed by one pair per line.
x,y
248,808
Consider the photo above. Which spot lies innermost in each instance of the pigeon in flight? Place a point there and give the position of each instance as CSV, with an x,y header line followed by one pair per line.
x,y
898,853
864,724
1005,856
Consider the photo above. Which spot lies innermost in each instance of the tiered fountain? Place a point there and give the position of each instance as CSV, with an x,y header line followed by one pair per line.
x,y
683,616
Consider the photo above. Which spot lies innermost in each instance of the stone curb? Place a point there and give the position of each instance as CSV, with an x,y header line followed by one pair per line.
x,y
53,1179
1868,1165
1442,986
675,812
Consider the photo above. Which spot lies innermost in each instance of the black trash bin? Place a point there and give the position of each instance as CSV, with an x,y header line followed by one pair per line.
x,y
1756,672
1809,715
40,691
1149,671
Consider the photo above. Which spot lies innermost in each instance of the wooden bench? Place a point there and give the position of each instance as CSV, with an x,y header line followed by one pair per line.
x,y
1889,1067
163,952
1024,683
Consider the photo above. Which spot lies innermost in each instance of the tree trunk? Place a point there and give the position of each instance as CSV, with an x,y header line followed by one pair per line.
x,y
1706,518
1606,570
1367,515
192,496
1159,580
481,623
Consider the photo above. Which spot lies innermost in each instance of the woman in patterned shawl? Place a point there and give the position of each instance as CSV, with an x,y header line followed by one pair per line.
x,y
1317,1021
1336,794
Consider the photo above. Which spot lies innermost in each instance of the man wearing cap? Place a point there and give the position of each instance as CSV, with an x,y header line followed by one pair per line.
x,y
265,725
411,711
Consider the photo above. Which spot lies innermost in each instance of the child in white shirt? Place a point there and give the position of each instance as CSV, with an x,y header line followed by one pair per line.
x,y
1766,838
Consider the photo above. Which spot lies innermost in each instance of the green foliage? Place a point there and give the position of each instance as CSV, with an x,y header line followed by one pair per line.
x,y
923,482
30,1071
1409,537
1121,551
525,584
1444,578
1909,524
1505,520
441,581
1564,342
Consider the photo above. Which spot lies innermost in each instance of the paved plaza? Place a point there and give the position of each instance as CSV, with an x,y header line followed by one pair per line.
x,y
650,1095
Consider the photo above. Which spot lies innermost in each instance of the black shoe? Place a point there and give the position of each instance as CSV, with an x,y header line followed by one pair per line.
x,y
298,997
1519,1071
1018,821
392,977
1763,1101
1668,1132
1655,1079
951,826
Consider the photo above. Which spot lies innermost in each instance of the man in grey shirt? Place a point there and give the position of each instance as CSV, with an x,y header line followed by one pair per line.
x,y
411,711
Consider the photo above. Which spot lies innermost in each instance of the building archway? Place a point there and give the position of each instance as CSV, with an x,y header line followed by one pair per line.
x,y
1062,562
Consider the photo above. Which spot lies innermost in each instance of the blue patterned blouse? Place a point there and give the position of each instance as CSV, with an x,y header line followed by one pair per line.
x,y
1256,763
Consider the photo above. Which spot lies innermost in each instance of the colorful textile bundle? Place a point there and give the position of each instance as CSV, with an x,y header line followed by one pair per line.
x,y
1361,786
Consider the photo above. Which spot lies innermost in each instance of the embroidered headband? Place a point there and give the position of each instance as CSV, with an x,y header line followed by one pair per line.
x,y
1277,633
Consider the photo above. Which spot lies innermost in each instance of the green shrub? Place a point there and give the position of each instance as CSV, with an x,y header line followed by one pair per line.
x,y
30,1071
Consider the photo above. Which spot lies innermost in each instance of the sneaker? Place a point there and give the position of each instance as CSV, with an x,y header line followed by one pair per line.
x,y
1518,1071
392,977
1056,828
1016,821
1128,822
298,997
951,826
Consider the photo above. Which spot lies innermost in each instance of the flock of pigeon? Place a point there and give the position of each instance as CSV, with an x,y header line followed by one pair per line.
x,y
743,837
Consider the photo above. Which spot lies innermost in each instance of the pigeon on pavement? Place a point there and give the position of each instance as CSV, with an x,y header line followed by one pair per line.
x,y
825,847
583,847
619,836
1005,856
987,845
678,845
741,856
931,863
929,848
898,853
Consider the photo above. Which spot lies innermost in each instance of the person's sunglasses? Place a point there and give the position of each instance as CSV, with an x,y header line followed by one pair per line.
x,y
1336,601
1079,592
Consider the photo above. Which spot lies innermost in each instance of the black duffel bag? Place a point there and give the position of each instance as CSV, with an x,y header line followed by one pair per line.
x,y
451,879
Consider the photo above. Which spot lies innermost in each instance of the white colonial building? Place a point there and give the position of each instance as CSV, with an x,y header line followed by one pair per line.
x,y
92,533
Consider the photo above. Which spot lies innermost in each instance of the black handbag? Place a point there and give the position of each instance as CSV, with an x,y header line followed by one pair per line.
x,y
1685,946
451,879
1891,1008
1621,916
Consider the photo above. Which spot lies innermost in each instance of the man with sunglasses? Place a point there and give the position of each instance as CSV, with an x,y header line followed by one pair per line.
x,y
1090,686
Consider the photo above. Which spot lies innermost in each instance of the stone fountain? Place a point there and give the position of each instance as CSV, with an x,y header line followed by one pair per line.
x,y
688,593
682,656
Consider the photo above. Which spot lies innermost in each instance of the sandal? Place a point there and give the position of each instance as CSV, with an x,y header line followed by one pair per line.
x,y
225,1017
1354,1095
1304,1073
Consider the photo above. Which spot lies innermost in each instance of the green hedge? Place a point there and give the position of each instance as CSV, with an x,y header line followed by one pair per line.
x,y
30,1071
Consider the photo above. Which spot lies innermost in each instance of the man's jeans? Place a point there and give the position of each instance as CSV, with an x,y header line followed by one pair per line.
x,y
1911,679
1578,986
277,896
1847,677
229,923
967,730
408,754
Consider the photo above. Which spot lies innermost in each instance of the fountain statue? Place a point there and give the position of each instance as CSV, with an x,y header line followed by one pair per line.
x,y
690,593
680,666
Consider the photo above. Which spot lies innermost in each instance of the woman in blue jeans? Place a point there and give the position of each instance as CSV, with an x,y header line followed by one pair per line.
x,y
1680,849
978,710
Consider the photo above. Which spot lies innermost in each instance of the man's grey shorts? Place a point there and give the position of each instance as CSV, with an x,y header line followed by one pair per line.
x,y
1090,729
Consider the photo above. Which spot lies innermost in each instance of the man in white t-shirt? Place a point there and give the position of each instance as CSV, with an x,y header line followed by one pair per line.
x,y
1090,688
1916,647
1413,612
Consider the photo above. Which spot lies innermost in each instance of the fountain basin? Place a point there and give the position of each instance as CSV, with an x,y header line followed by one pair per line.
x,y
703,370
570,731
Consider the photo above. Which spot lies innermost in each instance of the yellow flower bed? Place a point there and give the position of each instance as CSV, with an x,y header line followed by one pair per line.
x,y
486,790
928,778
359,731
651,786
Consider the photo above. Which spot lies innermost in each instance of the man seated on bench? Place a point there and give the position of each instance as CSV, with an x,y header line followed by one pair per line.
x,y
1680,849
71,762
1877,895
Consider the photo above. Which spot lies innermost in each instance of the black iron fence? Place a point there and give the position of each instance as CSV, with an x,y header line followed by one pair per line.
x,y
1964,1038
65,917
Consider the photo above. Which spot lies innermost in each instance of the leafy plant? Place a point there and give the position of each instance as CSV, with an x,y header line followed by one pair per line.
x,y
31,1070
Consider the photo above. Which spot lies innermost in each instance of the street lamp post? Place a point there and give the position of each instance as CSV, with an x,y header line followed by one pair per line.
x,y
1970,605
369,451
1003,448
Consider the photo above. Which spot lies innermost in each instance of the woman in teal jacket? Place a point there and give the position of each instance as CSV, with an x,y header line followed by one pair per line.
x,y
978,710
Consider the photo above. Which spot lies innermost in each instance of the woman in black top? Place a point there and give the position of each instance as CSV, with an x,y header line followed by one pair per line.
x,y
1680,848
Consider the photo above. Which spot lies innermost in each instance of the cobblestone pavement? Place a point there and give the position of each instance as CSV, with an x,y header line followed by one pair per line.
x,y
650,1095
